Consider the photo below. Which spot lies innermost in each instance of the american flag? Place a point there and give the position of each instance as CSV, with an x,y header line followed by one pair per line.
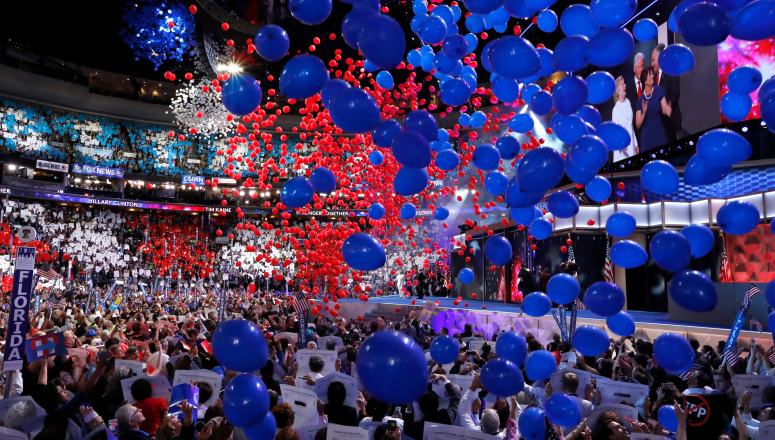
x,y
608,270
725,270
730,356
750,293
771,355
300,305
696,368
48,274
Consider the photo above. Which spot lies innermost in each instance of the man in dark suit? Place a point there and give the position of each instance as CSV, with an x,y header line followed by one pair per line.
x,y
672,87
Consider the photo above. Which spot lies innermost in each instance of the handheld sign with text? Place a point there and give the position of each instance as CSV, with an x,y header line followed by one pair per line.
x,y
194,377
159,384
350,386
180,393
304,404
41,347
340,432
18,319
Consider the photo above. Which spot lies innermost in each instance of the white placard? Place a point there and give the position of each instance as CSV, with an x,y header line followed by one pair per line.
x,y
308,432
160,385
433,431
194,376
767,429
321,388
136,367
463,381
339,432
753,382
584,379
323,342
568,360
303,356
304,404
623,411
622,392
12,434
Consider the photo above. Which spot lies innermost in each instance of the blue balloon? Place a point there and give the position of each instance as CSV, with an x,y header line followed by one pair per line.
x,y
478,119
272,42
303,76
536,304
754,21
414,57
693,291
620,224
675,15
385,80
570,54
432,30
701,239
513,57
363,252
704,24
670,250
591,116
323,180
562,204
699,171
297,192
376,211
441,213
614,135
569,128
354,111
621,323
444,349
512,347
722,146
245,399
331,89
547,20
598,189
610,48
628,254
563,288
676,60
310,11
241,94
454,92
576,19
540,170
541,103
515,197
265,430
569,94
645,29
667,418
673,353
612,13
410,181
521,123
408,211
475,23
540,365
502,377
769,294
546,57
498,250
744,80
233,338
604,299
577,175
590,340
737,218
528,91
465,276
532,423
447,160
445,13
524,216
563,410
411,149
423,123
659,176
505,89
387,131
496,183
508,147
219,370
600,86
541,229
589,152
455,46
391,367
354,22
521,8
486,157
482,6
376,158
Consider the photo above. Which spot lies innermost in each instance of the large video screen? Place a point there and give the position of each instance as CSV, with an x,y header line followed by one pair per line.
x,y
734,53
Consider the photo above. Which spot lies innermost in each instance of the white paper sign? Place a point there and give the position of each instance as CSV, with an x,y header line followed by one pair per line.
x,y
463,381
304,404
585,377
329,361
160,384
308,432
136,367
433,431
339,432
622,392
753,382
321,388
623,411
12,434
194,376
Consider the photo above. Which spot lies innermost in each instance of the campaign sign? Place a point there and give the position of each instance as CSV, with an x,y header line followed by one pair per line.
x,y
18,320
180,393
41,347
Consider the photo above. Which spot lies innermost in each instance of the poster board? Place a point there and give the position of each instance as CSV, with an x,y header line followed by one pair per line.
x,y
303,357
193,376
161,387
321,388
304,405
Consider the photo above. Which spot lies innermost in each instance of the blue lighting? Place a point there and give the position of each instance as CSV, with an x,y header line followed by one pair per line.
x,y
149,35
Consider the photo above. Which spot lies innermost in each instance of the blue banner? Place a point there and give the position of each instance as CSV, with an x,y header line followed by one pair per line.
x,y
193,180
222,306
18,319
52,344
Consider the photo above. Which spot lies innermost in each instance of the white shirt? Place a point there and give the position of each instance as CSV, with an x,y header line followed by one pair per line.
x,y
622,115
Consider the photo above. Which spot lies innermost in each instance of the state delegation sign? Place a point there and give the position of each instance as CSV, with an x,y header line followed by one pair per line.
x,y
18,319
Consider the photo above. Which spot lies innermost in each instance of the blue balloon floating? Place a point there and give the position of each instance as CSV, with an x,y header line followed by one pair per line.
x,y
455,46
363,252
454,92
508,147
486,157
540,365
598,189
331,89
600,87
385,80
562,204
570,54
513,57
323,180
628,254
615,136
547,20
241,94
245,400
620,224
478,119
376,211
354,111
441,213
670,250
667,418
498,250
354,22
699,171
673,353
532,423
569,94
541,103
512,347
693,291
310,11
645,29
432,30
272,42
391,367
376,158
676,60
612,13
411,149
610,48
569,128
384,44
590,340
744,80
736,106
515,197
465,276
563,288
659,176
563,410
590,115
589,152
297,192
701,239
524,216
540,170
482,6
604,299
621,323
387,131
410,181
233,338
521,123
496,183
536,304
577,19
444,349
754,21
722,146
704,24
423,123
502,377
737,218
540,229
303,76
265,430
505,89
447,160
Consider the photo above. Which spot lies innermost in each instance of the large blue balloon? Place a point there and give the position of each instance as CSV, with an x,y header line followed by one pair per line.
x,y
354,111
505,89
540,365
589,152
354,22
233,338
600,87
673,353
272,42
524,216
540,170
496,183
532,423
562,204
444,349
620,224
323,180
521,123
303,76
591,116
265,430
432,30
498,250
384,134
547,20
628,254
486,157
385,80
667,418
241,94
541,103
569,128
590,340
513,57
376,158
384,43
722,146
508,147
736,106
670,250
512,347
676,59
563,288
540,229
645,29
441,213
569,94
391,367
610,47
455,46
693,291
700,238
577,20
570,54
754,21
376,211
454,92
478,119
411,149
737,218
331,89
536,304
447,160
245,399
621,323
699,171
659,176
744,80
482,6
423,123
614,135
604,298
408,211
704,24
577,175
465,276
310,11
563,410
363,252
598,189
612,13
297,192
502,377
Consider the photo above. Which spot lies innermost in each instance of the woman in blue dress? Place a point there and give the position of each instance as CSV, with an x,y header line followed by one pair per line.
x,y
652,108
